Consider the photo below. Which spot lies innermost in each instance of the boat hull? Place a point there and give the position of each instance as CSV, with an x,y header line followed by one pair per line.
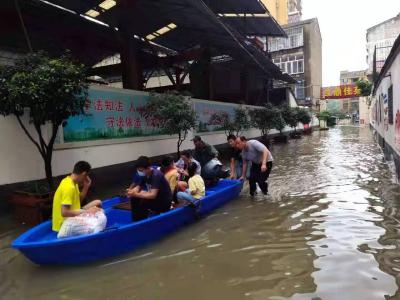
x,y
42,247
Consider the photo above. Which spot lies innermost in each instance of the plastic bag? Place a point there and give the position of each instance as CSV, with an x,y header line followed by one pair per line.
x,y
83,224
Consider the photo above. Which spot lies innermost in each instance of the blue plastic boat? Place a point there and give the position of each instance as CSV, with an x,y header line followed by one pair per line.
x,y
41,246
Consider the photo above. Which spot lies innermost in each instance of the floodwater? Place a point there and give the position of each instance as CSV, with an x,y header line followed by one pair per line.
x,y
329,231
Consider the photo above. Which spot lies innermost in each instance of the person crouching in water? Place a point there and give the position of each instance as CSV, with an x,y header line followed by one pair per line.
x,y
149,192
261,163
68,198
196,190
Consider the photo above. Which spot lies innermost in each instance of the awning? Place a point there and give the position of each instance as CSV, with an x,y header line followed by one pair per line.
x,y
191,24
264,25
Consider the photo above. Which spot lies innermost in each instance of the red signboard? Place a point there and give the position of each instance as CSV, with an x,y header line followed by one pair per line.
x,y
340,92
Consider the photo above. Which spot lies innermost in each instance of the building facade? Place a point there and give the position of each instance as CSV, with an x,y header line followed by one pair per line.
x,y
385,106
381,37
284,11
351,77
300,55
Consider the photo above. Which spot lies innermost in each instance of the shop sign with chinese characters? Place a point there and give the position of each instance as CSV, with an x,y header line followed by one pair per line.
x,y
340,92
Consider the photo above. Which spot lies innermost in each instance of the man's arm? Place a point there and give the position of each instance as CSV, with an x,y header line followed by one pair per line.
x,y
146,195
67,212
214,151
244,170
86,185
232,167
264,160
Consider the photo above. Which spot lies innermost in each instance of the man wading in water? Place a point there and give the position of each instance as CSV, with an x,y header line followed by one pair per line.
x,y
261,159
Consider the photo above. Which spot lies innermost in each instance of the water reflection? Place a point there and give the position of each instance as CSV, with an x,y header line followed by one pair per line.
x,y
330,231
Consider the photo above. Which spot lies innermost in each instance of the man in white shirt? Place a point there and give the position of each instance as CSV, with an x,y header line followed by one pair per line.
x,y
261,159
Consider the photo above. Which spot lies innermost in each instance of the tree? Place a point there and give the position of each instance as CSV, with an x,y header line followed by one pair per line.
x,y
289,114
303,116
279,120
49,90
264,118
240,121
365,87
173,113
223,120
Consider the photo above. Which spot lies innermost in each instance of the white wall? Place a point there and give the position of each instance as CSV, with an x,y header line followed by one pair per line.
x,y
20,160
364,111
381,125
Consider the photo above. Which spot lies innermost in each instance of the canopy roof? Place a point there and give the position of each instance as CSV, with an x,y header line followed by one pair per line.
x,y
158,25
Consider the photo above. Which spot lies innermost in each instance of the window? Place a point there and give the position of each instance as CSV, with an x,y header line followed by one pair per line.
x,y
295,39
300,91
291,64
301,66
294,67
390,104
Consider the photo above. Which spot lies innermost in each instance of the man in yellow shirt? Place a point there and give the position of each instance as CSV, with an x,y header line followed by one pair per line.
x,y
67,199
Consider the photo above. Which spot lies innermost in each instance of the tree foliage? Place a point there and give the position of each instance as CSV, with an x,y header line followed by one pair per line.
x,y
303,116
264,118
323,115
236,125
365,87
289,114
174,114
49,90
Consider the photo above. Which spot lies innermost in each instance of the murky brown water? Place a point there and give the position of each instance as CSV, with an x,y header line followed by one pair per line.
x,y
330,231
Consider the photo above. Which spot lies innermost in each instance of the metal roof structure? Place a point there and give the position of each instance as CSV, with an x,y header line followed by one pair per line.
x,y
94,29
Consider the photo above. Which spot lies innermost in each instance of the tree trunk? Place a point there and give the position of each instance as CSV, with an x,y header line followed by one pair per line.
x,y
178,152
49,171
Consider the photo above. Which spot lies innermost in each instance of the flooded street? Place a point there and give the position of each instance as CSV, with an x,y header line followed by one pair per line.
x,y
330,231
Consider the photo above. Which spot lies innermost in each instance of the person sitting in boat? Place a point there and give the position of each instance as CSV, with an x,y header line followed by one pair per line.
x,y
150,192
182,164
170,172
68,198
196,188
207,155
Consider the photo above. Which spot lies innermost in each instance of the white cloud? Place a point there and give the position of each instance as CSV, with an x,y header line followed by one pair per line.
x,y
343,27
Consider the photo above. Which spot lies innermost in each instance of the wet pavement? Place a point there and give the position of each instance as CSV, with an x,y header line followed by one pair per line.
x,y
330,230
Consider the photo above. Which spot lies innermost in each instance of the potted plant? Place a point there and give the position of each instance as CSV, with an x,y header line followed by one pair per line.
x,y
323,118
46,91
173,113
304,118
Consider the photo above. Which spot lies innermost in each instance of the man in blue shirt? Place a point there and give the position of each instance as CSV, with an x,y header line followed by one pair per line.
x,y
150,191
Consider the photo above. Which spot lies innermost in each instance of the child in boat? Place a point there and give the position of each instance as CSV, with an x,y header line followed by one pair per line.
x,y
170,172
196,189
67,199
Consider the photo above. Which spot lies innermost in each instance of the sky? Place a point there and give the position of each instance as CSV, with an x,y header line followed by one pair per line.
x,y
344,24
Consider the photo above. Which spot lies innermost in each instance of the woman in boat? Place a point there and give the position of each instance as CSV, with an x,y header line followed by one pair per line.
x,y
196,188
170,172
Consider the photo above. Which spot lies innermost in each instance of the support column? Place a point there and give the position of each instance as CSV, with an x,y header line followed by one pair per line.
x,y
132,72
